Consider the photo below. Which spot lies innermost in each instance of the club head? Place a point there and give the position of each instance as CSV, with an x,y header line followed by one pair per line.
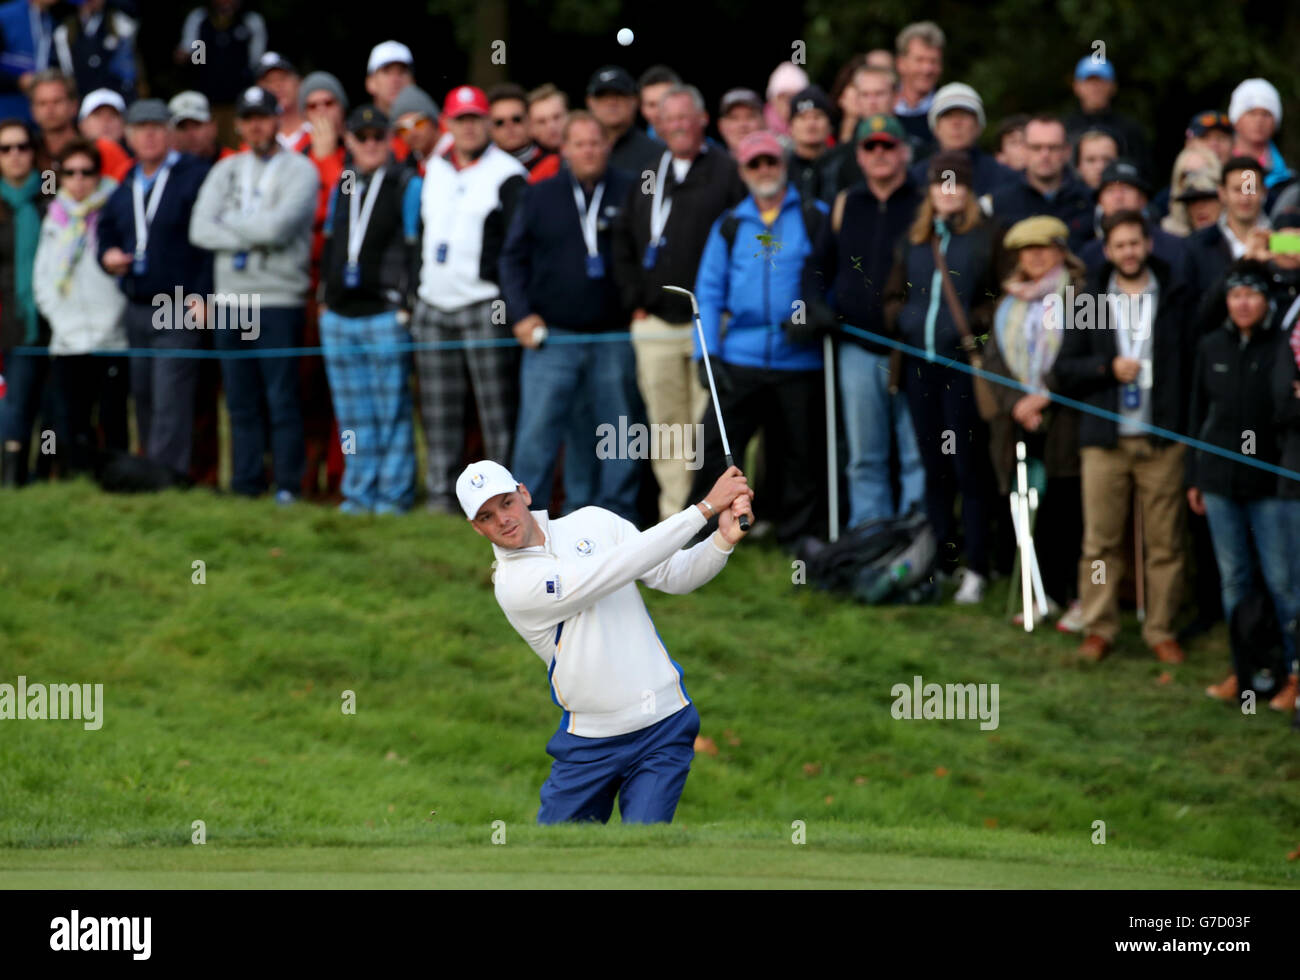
x,y
688,294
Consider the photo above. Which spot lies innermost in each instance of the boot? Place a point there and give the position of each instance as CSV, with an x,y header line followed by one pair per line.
x,y
13,467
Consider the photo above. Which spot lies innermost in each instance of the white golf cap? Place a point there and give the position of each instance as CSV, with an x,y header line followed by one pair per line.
x,y
98,99
480,482
388,53
189,105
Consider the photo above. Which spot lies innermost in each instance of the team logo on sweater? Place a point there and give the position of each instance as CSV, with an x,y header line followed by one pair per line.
x,y
585,546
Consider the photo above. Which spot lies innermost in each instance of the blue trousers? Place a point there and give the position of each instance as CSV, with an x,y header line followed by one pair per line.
x,y
646,769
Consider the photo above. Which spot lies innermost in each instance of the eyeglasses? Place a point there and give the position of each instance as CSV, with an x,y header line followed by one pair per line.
x,y
871,146
500,121
763,161
321,104
371,137
11,147
79,172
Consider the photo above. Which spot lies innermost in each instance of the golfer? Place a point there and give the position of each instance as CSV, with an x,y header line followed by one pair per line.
x,y
568,588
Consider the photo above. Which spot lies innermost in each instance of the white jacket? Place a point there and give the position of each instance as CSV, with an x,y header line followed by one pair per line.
x,y
88,317
574,600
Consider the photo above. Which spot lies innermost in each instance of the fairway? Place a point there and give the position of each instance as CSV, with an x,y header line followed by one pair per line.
x,y
222,704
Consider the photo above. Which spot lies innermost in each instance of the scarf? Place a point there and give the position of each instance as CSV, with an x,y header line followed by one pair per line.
x,y
936,287
27,235
75,223
1028,347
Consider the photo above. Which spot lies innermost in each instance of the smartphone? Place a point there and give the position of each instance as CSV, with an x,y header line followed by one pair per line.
x,y
1284,243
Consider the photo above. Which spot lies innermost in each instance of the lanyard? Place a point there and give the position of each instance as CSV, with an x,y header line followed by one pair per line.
x,y
143,217
249,194
40,37
359,222
659,207
1123,308
589,216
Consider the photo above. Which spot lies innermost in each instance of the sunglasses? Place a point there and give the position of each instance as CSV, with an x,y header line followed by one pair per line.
x,y
372,136
871,146
763,161
503,120
11,147
79,172
413,124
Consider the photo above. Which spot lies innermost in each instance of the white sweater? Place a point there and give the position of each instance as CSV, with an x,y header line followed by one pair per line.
x,y
88,317
574,600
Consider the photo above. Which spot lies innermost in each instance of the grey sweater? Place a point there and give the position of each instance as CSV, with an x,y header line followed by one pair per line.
x,y
243,209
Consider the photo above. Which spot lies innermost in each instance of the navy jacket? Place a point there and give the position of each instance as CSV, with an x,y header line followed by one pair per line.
x,y
844,277
170,260
1170,249
1072,203
544,262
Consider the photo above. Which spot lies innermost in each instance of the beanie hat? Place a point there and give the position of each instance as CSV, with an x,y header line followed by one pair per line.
x,y
319,81
788,77
1255,93
414,99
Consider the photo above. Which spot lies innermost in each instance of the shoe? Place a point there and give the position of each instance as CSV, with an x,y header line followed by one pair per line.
x,y
1094,648
285,497
1285,699
972,588
1225,690
1072,621
1169,652
13,467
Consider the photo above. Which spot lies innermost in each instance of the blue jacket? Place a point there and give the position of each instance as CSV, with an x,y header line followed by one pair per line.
x,y
758,282
543,265
18,54
170,259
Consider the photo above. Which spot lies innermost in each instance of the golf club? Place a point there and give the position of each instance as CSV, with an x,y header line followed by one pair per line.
x,y
713,391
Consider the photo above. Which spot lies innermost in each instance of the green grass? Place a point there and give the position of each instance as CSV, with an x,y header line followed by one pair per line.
x,y
223,705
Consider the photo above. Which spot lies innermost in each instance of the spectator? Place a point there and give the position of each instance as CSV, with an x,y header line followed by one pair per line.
x,y
654,84
1011,152
548,108
1092,154
1124,188
148,249
223,46
389,69
508,106
95,46
881,58
786,81
556,273
279,77
83,306
612,99
54,107
1195,187
766,374
1094,87
810,129
1286,390
1211,250
1256,112
364,292
1023,345
739,113
659,243
1247,523
844,96
957,119
467,201
1136,371
1047,186
415,118
254,213
1209,135
874,88
192,128
948,240
919,63
102,116
21,325
26,36
843,282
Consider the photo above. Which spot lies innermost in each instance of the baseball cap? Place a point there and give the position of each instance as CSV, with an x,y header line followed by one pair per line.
x,y
956,95
189,105
271,61
739,96
389,53
256,101
147,111
1208,121
465,100
480,482
758,144
365,117
811,97
1197,186
879,129
1089,67
611,78
1124,172
98,99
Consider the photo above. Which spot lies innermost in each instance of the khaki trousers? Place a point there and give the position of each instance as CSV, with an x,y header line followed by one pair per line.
x,y
1109,477
673,395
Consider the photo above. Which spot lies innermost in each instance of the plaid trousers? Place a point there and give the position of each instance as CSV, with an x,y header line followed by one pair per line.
x,y
444,378
371,390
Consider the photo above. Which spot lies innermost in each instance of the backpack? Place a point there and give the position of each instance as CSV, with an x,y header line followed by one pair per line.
x,y
812,221
883,561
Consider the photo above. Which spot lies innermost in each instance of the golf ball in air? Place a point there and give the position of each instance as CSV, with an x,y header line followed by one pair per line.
x,y
624,37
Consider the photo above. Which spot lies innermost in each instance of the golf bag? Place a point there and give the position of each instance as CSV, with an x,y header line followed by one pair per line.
x,y
1257,651
886,561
